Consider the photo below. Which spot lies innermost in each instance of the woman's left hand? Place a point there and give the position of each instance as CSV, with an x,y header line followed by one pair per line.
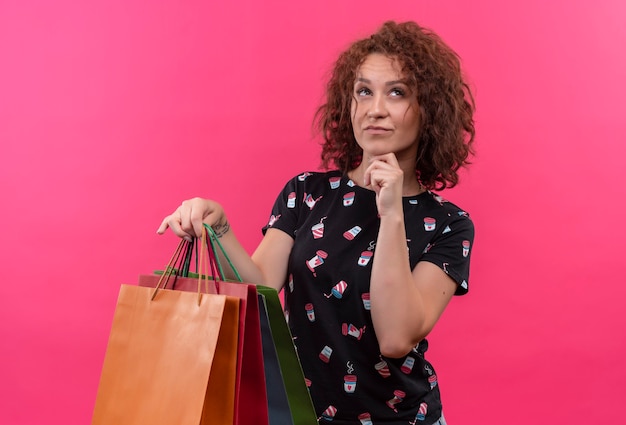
x,y
386,178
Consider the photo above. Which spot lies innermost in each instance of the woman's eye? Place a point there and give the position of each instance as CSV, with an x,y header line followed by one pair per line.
x,y
397,92
362,91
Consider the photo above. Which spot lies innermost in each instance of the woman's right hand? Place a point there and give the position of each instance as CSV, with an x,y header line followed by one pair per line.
x,y
186,221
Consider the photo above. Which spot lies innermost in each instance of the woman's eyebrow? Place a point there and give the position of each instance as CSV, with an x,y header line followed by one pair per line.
x,y
388,83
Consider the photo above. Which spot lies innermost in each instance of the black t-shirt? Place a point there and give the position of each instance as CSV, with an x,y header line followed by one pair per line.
x,y
335,225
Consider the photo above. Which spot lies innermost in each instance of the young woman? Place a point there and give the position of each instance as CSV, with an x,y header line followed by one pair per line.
x,y
369,256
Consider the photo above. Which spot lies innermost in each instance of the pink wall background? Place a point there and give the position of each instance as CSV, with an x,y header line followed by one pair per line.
x,y
113,112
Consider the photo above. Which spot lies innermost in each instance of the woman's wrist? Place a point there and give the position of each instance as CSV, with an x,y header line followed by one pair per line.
x,y
221,227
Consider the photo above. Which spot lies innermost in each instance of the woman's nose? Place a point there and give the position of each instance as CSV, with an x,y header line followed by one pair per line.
x,y
377,107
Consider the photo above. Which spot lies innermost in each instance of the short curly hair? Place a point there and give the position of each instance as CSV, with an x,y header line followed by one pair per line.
x,y
433,70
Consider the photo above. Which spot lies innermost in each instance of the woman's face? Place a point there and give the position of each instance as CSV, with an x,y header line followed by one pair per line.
x,y
385,113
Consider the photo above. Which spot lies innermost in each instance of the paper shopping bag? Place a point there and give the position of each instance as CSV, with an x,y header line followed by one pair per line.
x,y
300,404
301,408
250,390
250,404
279,411
169,360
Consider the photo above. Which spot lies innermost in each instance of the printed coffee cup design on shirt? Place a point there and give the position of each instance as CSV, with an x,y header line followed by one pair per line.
x,y
273,219
350,329
329,413
398,396
408,364
291,200
466,248
383,369
365,418
348,199
318,229
439,199
366,301
421,412
326,353
430,224
310,312
338,290
310,201
365,258
334,182
432,380
352,233
349,383
316,261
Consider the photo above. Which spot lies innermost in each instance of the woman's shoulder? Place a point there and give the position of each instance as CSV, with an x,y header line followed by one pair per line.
x,y
309,182
317,175
314,178
438,204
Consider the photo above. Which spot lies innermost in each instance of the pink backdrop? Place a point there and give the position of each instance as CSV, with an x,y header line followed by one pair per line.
x,y
112,112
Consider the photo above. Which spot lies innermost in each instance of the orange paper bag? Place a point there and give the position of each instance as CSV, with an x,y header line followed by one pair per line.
x,y
170,359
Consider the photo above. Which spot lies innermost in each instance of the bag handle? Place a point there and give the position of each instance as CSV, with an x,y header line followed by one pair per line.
x,y
201,264
183,269
212,241
183,263
169,268
182,256
180,264
207,249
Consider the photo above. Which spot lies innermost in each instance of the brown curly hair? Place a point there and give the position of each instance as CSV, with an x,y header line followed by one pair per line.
x,y
433,69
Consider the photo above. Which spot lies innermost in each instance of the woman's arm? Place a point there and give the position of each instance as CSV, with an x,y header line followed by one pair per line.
x,y
267,266
405,303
